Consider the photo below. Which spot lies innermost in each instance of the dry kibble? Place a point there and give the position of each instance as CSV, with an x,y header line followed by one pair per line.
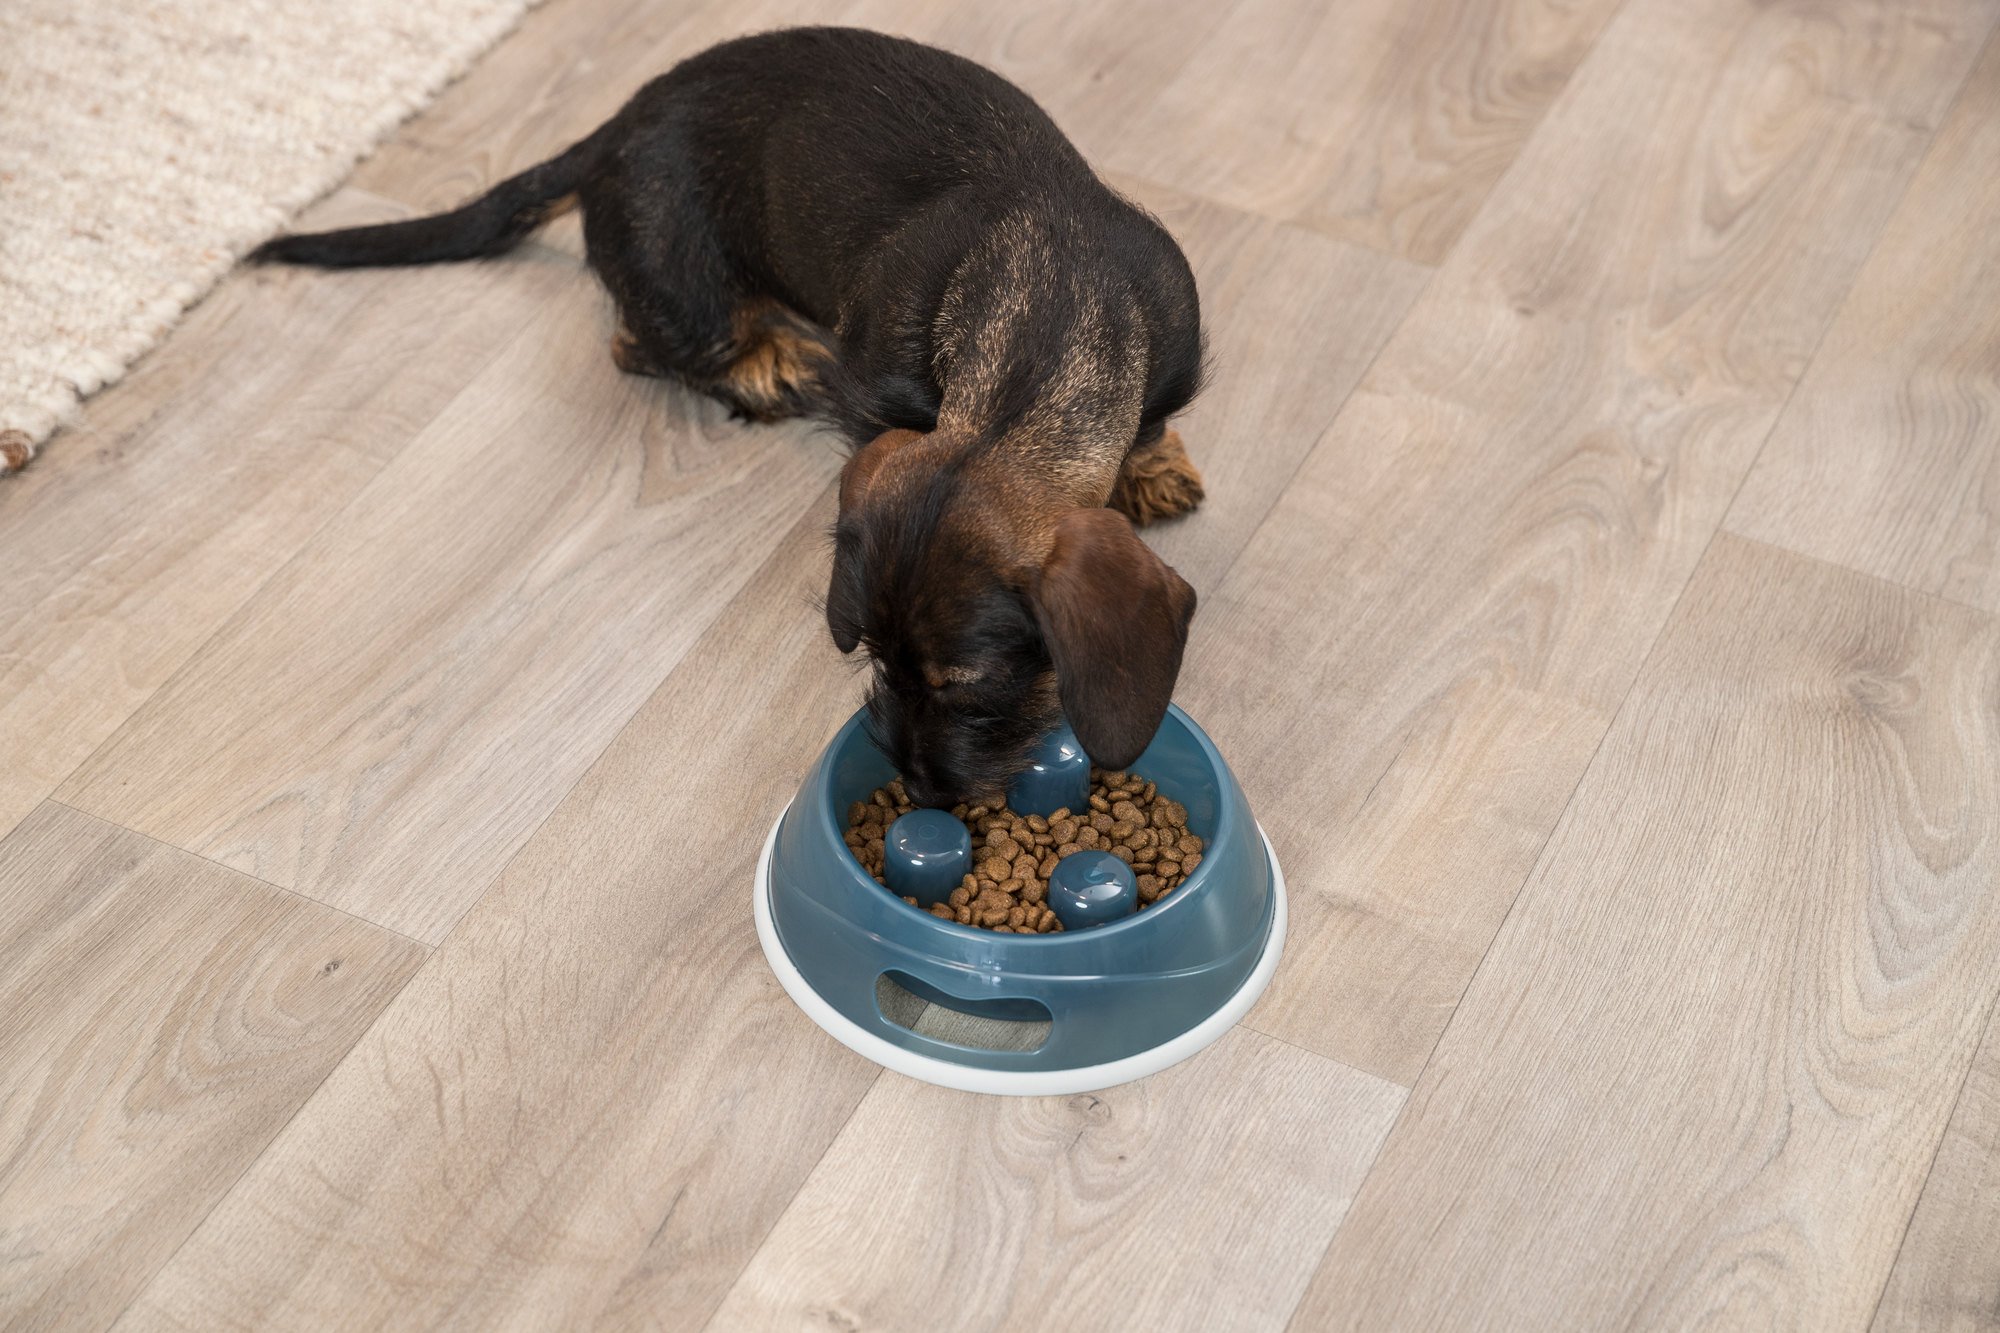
x,y
1008,889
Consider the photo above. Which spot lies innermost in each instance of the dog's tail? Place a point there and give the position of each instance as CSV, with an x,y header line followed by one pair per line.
x,y
495,221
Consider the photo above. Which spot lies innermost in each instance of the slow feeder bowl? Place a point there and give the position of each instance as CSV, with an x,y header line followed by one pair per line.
x,y
1121,1000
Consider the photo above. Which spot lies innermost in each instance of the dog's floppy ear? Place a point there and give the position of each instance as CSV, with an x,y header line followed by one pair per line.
x,y
846,593
1115,618
862,467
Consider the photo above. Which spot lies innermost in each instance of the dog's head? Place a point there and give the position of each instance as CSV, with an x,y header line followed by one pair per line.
x,y
985,614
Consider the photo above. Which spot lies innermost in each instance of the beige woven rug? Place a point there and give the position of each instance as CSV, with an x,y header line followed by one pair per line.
x,y
145,145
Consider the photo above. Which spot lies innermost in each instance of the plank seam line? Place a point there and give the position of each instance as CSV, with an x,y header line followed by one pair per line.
x,y
278,1132
805,1178
1937,1149
293,894
197,652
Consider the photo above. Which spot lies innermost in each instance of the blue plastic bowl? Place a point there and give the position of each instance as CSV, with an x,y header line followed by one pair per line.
x,y
1121,1000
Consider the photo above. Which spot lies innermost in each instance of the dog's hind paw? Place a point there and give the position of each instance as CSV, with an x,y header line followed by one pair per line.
x,y
1157,481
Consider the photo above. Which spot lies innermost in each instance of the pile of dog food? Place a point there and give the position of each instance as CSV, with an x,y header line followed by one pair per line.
x,y
1014,855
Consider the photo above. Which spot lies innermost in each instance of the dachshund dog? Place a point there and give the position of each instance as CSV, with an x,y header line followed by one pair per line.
x,y
835,223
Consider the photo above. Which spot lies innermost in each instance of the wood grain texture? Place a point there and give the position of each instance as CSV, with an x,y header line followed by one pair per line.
x,y
160,1020
392,716
1888,459
1040,1212
1413,661
1384,122
1947,1274
1699,1078
189,483
593,1103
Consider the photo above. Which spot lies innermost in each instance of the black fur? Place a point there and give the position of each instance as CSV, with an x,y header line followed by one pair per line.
x,y
931,246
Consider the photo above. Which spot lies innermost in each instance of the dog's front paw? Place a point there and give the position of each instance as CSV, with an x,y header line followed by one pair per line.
x,y
1157,481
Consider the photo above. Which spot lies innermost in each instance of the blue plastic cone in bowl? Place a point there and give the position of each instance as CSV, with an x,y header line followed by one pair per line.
x,y
1121,1000
1092,888
925,855
1057,776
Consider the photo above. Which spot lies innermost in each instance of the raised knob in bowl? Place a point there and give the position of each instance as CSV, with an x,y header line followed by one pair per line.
x,y
1092,889
1057,777
925,854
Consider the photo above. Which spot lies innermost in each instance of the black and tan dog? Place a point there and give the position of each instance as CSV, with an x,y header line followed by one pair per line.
x,y
831,222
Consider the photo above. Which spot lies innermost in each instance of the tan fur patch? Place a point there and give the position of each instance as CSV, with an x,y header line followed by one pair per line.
x,y
777,367
1157,481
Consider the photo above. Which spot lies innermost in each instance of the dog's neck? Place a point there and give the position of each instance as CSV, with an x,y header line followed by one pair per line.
x,y
1043,372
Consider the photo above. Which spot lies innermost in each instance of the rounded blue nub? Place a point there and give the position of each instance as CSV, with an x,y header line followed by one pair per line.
x,y
926,854
1092,889
1057,777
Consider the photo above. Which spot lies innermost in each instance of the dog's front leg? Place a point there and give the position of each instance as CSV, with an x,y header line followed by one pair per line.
x,y
1158,480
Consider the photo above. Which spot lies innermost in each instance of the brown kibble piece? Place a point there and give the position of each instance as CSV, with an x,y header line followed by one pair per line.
x,y
1008,890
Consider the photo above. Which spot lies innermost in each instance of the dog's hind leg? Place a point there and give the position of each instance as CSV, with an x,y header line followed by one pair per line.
x,y
682,312
777,364
1158,480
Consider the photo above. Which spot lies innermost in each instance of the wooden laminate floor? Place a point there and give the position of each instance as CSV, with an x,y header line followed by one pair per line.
x,y
1600,604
